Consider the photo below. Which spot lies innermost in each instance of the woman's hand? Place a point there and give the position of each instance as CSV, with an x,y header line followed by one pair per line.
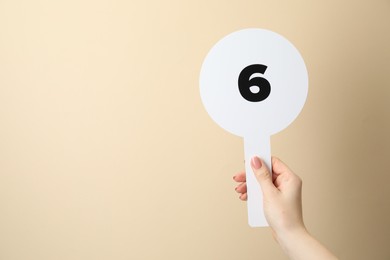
x,y
281,194
282,202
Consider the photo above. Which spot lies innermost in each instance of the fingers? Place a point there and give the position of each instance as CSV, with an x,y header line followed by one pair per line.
x,y
244,197
240,177
241,188
263,175
284,178
279,167
281,180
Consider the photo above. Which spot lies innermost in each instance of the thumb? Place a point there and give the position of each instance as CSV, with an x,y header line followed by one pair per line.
x,y
263,175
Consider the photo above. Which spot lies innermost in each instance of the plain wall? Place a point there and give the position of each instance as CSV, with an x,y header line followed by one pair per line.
x,y
106,151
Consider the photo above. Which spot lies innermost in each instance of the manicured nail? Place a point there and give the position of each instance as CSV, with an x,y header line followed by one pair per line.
x,y
256,163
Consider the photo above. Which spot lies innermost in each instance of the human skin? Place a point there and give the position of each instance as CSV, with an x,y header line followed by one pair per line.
x,y
282,202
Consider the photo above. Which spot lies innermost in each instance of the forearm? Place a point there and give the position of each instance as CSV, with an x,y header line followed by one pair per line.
x,y
300,245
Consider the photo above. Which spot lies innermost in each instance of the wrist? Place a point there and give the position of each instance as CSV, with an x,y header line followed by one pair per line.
x,y
300,244
287,237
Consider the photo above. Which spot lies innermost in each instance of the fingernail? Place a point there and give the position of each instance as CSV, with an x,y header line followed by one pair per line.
x,y
256,163
234,177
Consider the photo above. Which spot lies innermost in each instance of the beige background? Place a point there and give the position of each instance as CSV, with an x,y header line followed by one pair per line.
x,y
106,151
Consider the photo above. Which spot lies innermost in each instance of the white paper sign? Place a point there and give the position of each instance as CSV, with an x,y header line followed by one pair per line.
x,y
254,83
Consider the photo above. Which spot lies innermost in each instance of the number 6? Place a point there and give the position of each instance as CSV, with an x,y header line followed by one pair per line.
x,y
245,82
